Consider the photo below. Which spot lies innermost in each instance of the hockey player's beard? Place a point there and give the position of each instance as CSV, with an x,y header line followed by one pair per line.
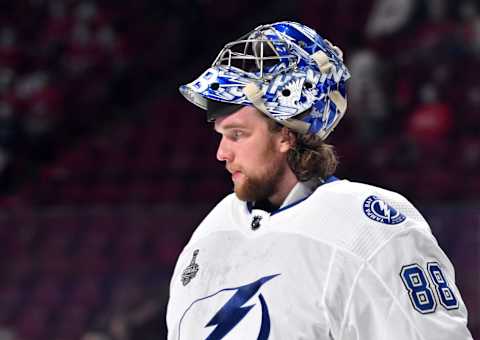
x,y
262,186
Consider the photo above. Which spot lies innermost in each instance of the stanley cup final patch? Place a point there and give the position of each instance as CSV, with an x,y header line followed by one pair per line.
x,y
191,271
378,210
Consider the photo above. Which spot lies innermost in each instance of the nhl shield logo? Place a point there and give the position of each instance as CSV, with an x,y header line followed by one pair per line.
x,y
191,271
256,222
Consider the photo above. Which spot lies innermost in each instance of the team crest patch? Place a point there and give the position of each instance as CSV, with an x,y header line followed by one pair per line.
x,y
191,271
376,209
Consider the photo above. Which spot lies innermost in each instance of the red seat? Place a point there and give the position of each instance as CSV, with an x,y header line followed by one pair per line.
x,y
32,323
85,293
47,292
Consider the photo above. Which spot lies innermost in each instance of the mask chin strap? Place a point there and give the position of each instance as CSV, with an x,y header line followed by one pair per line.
x,y
326,67
254,94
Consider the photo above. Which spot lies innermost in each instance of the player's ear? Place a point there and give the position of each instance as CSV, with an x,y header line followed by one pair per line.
x,y
287,139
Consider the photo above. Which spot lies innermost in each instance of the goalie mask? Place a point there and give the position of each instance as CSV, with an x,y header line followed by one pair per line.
x,y
286,70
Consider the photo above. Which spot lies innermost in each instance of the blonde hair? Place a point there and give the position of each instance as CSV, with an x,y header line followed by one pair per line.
x,y
310,157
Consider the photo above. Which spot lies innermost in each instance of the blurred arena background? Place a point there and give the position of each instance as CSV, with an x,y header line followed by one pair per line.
x,y
105,170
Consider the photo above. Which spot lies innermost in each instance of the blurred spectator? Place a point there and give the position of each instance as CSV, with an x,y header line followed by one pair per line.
x,y
6,334
9,49
41,112
58,23
145,321
388,17
367,98
6,79
94,335
119,327
470,15
438,31
82,53
86,11
430,123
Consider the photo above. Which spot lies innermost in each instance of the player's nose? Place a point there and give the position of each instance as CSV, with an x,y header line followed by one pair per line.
x,y
223,152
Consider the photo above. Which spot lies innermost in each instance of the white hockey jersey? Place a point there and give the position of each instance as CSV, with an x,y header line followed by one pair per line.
x,y
348,262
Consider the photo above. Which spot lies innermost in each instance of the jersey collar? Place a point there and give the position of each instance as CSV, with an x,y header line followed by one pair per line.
x,y
300,192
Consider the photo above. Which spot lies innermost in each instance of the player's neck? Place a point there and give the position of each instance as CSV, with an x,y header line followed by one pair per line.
x,y
286,184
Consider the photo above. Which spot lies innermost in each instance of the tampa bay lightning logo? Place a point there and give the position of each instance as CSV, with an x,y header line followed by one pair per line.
x,y
227,319
377,210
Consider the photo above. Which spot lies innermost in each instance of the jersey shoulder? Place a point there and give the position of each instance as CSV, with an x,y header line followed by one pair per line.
x,y
359,218
218,219
383,203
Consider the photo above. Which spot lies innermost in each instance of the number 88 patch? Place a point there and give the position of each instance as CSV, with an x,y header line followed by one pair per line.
x,y
419,289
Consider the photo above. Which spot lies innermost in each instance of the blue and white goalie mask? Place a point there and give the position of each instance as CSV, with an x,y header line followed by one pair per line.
x,y
286,70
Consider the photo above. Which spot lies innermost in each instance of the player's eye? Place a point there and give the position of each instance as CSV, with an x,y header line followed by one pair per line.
x,y
236,134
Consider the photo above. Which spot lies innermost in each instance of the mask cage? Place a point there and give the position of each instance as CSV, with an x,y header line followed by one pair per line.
x,y
256,53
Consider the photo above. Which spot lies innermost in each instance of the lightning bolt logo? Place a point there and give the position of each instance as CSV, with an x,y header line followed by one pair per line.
x,y
234,311
385,209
